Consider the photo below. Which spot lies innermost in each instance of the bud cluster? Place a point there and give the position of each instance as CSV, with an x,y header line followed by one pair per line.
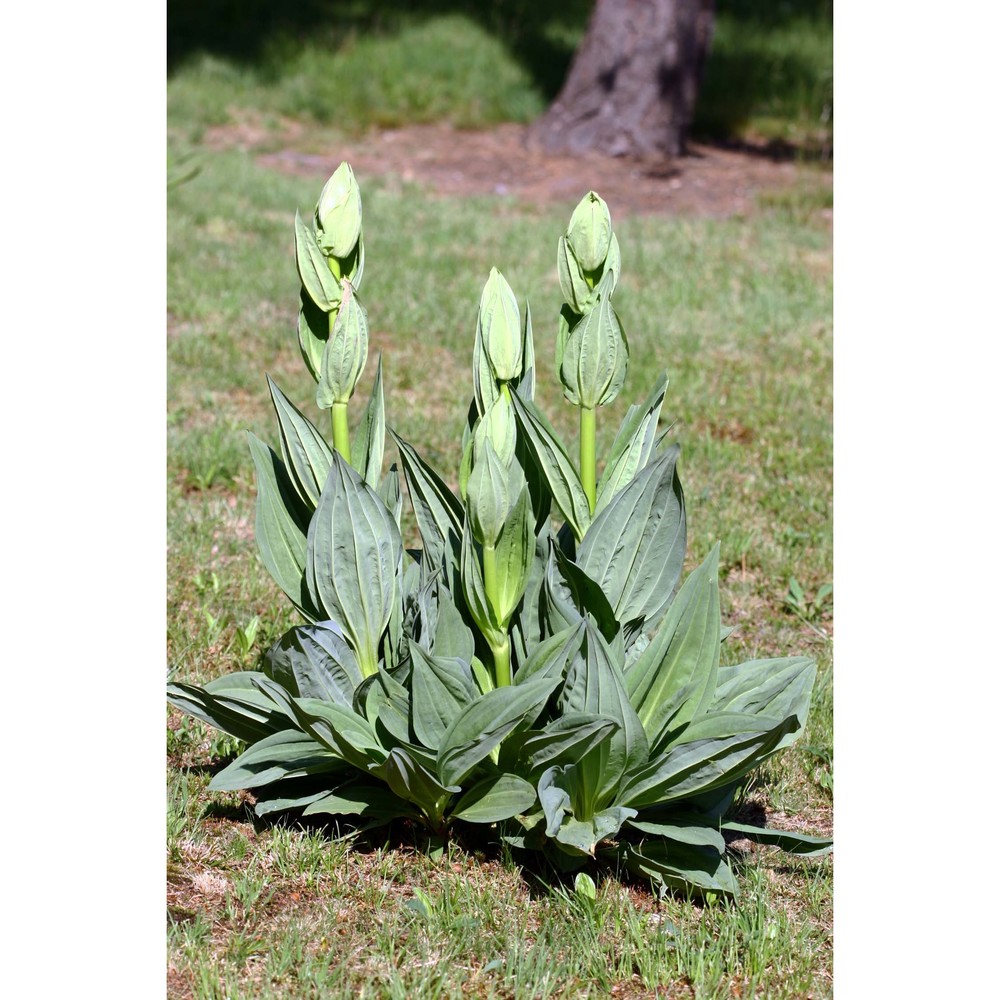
x,y
333,325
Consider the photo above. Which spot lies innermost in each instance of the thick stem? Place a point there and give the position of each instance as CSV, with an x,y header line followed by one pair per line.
x,y
501,651
588,454
501,662
341,434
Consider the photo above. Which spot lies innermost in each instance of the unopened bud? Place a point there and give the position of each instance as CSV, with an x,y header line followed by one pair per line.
x,y
589,231
338,214
500,327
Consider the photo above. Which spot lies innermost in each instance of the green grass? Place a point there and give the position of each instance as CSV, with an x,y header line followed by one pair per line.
x,y
739,313
362,64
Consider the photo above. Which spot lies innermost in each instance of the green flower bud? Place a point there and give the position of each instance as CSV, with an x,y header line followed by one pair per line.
x,y
589,231
500,327
487,498
338,213
595,354
498,427
345,353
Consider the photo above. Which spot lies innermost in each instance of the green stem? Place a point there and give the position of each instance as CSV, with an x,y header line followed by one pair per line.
x,y
501,662
588,454
501,651
341,436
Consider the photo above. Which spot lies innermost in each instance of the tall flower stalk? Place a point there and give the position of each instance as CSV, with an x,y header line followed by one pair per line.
x,y
333,325
591,349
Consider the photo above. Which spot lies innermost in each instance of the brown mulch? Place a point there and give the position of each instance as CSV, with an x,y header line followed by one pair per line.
x,y
710,181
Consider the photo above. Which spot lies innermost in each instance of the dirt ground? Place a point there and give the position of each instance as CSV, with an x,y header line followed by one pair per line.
x,y
709,181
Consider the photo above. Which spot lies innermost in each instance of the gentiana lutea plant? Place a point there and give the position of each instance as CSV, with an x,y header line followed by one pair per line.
x,y
537,667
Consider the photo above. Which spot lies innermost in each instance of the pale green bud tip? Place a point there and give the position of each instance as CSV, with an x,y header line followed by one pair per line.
x,y
338,213
589,231
500,323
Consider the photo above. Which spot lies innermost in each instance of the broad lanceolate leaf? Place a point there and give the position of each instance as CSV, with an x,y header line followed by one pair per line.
x,y
288,754
570,595
481,727
411,781
360,798
565,741
594,686
554,464
632,447
440,689
315,661
514,550
307,455
314,271
438,624
680,866
495,798
775,688
314,329
802,844
368,447
684,654
231,704
634,549
694,768
281,526
439,516
353,556
345,353
334,727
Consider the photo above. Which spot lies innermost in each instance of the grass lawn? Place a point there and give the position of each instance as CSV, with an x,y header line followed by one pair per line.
x,y
737,310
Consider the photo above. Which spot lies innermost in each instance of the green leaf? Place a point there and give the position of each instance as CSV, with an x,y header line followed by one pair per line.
x,y
315,661
801,844
411,781
632,447
696,767
314,271
566,740
288,754
307,456
481,727
368,447
594,686
281,527
634,549
345,353
439,516
680,866
554,464
495,798
570,595
314,330
231,709
441,688
776,688
595,353
353,556
693,831
514,550
684,654
359,798
329,724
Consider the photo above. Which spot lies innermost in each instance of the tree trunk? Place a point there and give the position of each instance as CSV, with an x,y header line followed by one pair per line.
x,y
632,86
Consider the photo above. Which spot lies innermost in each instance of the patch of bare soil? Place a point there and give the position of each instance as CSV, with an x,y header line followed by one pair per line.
x,y
710,181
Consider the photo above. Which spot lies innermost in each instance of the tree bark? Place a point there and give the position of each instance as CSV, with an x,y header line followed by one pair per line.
x,y
632,87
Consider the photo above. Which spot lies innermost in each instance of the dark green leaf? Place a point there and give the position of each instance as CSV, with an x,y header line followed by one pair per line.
x,y
495,798
288,754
